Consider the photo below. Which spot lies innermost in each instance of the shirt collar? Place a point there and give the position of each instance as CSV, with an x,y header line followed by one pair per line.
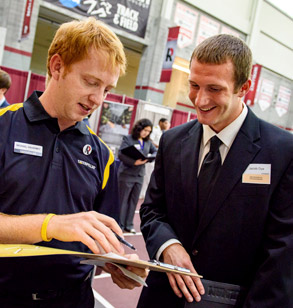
x,y
33,108
35,111
2,100
82,127
228,134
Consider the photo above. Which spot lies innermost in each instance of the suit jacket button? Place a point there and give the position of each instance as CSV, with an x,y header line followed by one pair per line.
x,y
194,252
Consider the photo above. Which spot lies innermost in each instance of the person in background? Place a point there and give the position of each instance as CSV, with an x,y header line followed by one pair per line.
x,y
131,172
155,136
158,130
55,173
5,83
220,200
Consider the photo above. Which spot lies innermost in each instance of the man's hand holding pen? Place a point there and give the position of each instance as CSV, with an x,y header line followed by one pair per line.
x,y
123,241
99,233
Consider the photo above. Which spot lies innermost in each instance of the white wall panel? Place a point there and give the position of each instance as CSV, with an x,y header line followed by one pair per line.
x,y
235,13
276,24
273,55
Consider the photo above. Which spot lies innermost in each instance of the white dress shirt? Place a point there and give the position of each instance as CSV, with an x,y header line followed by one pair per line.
x,y
226,135
156,134
2,101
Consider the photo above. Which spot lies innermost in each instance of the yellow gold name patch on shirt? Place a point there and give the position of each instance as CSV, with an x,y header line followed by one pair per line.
x,y
257,174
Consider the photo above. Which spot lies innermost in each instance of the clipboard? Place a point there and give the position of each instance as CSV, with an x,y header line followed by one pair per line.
x,y
135,153
26,250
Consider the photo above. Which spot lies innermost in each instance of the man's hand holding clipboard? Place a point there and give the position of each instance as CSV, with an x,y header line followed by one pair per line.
x,y
189,286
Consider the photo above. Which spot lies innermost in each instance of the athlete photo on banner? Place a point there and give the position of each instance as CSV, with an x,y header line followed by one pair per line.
x,y
128,15
114,123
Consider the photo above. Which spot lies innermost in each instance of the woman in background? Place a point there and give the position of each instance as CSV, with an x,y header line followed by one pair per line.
x,y
131,172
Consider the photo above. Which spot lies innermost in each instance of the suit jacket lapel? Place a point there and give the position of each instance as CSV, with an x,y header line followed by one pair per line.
x,y
242,152
189,165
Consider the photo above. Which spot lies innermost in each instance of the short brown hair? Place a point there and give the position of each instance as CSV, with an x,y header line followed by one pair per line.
x,y
73,40
219,49
5,80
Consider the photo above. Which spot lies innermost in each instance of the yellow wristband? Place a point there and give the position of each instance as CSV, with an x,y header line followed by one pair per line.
x,y
44,228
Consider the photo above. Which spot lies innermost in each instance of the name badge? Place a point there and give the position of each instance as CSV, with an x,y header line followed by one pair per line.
x,y
257,174
29,149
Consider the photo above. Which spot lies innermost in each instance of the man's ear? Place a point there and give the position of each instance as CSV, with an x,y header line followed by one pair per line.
x,y
2,92
245,88
56,66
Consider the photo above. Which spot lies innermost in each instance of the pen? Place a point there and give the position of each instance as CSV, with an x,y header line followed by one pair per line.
x,y
166,265
122,240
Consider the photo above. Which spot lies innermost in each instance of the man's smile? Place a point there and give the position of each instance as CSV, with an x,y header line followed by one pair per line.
x,y
84,107
206,109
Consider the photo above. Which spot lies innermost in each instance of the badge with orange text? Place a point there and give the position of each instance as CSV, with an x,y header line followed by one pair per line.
x,y
257,174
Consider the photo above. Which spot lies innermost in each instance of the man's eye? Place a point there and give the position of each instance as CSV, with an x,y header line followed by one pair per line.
x,y
214,89
194,86
91,82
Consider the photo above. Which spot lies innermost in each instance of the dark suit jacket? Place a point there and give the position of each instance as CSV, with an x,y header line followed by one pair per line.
x,y
245,234
127,170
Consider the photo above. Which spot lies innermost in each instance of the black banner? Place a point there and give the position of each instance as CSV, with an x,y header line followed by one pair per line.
x,y
128,15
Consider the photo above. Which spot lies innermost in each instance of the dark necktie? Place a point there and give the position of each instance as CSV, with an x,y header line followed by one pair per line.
x,y
208,173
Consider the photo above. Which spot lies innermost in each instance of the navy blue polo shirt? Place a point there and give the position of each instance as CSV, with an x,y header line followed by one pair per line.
x,y
43,170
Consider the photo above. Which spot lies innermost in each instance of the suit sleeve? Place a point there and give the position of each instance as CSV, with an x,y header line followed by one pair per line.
x,y
153,149
273,283
126,142
153,213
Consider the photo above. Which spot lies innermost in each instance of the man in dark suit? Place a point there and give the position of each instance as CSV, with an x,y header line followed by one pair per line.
x,y
5,83
242,234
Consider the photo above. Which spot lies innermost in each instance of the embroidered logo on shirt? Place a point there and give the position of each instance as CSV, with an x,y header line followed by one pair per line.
x,y
87,149
81,162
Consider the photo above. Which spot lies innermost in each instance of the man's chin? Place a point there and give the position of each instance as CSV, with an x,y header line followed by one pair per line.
x,y
204,121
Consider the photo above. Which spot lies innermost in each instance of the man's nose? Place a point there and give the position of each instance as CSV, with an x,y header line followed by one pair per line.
x,y
200,98
97,98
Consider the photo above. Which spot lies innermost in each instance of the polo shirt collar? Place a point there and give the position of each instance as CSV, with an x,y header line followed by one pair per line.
x,y
35,111
33,108
81,126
